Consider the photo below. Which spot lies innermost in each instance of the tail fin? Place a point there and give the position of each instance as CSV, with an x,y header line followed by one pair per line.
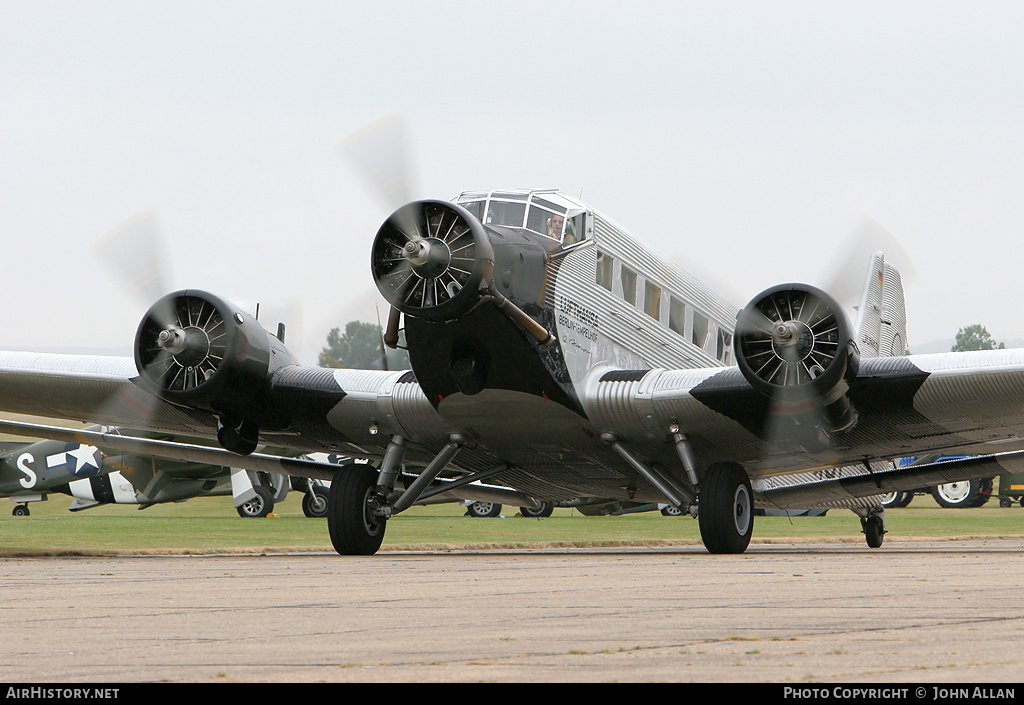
x,y
882,313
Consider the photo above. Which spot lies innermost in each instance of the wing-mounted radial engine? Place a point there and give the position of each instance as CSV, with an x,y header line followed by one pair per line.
x,y
794,344
194,349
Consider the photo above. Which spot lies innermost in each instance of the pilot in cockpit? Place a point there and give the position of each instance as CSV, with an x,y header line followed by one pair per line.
x,y
555,224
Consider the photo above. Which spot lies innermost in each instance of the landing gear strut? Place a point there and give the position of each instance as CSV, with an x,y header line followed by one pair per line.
x,y
726,509
358,505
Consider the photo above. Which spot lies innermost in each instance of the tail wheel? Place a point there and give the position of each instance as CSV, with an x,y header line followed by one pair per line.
x,y
726,509
354,529
874,530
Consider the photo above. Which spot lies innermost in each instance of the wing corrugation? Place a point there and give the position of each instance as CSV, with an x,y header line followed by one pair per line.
x,y
986,386
92,365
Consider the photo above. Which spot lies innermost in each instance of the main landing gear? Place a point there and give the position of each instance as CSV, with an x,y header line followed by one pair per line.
x,y
726,509
353,522
359,503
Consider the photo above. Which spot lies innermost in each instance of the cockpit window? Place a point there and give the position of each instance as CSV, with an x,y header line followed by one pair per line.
x,y
543,214
476,208
504,213
575,229
545,222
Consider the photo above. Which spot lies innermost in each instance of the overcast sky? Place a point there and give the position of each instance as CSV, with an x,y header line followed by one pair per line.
x,y
743,139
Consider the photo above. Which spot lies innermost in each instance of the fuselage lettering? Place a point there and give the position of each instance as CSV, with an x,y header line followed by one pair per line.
x,y
30,479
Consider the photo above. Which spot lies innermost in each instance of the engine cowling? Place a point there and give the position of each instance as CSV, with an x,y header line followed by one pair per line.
x,y
794,344
196,350
430,260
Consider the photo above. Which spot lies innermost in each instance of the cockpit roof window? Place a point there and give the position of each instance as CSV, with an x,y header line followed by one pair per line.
x,y
551,213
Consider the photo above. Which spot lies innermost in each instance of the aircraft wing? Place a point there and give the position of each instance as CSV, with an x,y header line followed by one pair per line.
x,y
965,403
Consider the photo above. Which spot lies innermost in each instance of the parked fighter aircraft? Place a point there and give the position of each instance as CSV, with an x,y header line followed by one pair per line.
x,y
556,355
31,472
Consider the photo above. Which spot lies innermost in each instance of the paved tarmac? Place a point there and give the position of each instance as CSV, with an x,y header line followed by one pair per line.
x,y
917,612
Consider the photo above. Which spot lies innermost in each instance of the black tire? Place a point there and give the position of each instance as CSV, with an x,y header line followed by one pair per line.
x,y
897,499
1005,502
259,506
544,511
314,502
874,530
484,510
20,510
957,495
672,511
354,530
725,510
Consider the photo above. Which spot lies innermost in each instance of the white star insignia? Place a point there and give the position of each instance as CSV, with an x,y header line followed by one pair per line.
x,y
84,455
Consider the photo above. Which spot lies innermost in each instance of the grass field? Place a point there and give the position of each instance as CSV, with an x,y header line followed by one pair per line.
x,y
211,525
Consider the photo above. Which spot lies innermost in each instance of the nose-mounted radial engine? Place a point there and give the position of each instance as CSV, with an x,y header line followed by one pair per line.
x,y
430,260
437,263
794,344
194,349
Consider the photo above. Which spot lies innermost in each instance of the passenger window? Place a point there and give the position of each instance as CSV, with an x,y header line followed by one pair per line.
x,y
605,263
724,345
699,335
677,315
628,278
652,300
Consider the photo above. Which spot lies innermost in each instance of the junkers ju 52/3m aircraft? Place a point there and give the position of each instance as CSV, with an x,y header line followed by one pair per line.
x,y
553,354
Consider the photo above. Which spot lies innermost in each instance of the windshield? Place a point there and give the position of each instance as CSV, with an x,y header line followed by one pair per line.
x,y
544,213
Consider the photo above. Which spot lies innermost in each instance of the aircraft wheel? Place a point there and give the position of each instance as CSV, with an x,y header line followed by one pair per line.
x,y
672,511
484,509
314,502
874,530
896,499
354,530
544,511
725,509
965,493
259,506
20,511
